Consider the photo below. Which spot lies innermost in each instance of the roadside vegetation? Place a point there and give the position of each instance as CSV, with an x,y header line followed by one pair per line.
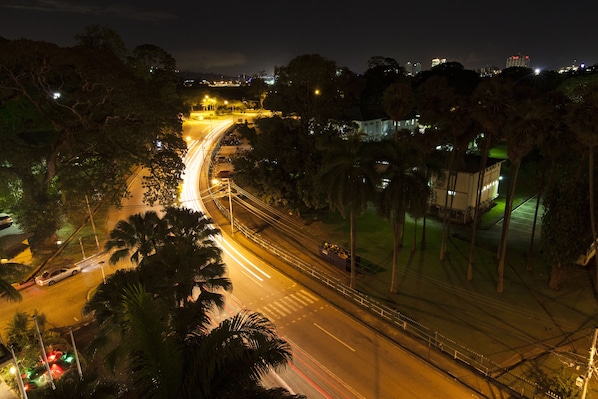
x,y
96,112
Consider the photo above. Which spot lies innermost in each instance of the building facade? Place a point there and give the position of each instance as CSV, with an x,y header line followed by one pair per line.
x,y
413,69
438,61
518,61
461,200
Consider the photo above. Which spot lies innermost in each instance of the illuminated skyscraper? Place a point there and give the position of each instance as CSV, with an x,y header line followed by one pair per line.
x,y
438,61
413,69
518,61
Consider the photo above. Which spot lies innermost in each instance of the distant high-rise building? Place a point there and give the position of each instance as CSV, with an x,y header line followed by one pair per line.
x,y
413,69
489,70
518,61
438,61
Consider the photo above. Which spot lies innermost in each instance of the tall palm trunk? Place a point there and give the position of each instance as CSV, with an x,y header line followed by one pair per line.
x,y
422,244
478,199
592,213
352,238
505,227
397,233
446,219
414,244
530,255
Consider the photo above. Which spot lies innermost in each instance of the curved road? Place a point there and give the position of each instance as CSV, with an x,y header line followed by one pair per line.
x,y
334,356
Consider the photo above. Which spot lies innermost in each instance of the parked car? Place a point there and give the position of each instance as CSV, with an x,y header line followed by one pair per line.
x,y
5,220
52,276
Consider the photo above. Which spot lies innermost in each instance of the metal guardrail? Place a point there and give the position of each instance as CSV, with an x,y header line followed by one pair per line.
x,y
519,385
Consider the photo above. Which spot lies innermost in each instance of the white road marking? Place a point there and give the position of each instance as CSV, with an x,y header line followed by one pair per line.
x,y
337,339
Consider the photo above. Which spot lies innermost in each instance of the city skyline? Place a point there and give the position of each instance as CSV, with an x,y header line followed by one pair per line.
x,y
235,38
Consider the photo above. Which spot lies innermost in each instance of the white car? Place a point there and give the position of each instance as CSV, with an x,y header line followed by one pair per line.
x,y
5,220
52,276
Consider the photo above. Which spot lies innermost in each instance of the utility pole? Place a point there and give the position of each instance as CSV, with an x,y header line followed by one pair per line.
x,y
590,370
230,205
19,377
44,356
76,354
93,226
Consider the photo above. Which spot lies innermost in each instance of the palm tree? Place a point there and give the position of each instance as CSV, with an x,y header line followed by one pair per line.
x,y
398,102
138,236
9,292
186,275
185,222
350,181
203,363
527,120
404,187
445,106
183,267
235,354
154,356
582,120
490,102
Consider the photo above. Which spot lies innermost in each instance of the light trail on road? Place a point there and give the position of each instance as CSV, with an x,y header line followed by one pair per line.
x,y
192,198
374,367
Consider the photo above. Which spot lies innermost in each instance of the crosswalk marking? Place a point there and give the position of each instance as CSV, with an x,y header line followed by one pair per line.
x,y
312,298
273,311
300,300
288,305
284,311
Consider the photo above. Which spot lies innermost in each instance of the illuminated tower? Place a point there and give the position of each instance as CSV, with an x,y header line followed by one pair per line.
x,y
518,61
438,61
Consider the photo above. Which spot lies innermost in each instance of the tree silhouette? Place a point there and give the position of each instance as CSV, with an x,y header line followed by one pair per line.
x,y
350,181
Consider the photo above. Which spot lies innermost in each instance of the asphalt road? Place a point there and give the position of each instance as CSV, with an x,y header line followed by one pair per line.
x,y
335,355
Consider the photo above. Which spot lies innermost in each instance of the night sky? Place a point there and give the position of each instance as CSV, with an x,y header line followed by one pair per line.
x,y
234,37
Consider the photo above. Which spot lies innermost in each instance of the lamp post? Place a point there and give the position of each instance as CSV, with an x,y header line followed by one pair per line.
x,y
230,200
591,366
76,354
45,357
19,378
93,226
82,250
230,206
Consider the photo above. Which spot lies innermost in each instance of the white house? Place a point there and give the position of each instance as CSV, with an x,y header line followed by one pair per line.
x,y
462,198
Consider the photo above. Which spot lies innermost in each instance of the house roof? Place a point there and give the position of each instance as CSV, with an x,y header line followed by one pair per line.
x,y
471,163
365,113
12,245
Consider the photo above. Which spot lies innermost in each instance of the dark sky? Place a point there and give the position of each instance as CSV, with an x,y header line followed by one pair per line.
x,y
234,37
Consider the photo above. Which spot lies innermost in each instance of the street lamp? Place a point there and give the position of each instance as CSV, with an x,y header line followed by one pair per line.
x,y
45,357
18,372
230,202
230,206
93,226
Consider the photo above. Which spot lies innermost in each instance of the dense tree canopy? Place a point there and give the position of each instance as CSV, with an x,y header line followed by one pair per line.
x,y
457,110
155,319
76,121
